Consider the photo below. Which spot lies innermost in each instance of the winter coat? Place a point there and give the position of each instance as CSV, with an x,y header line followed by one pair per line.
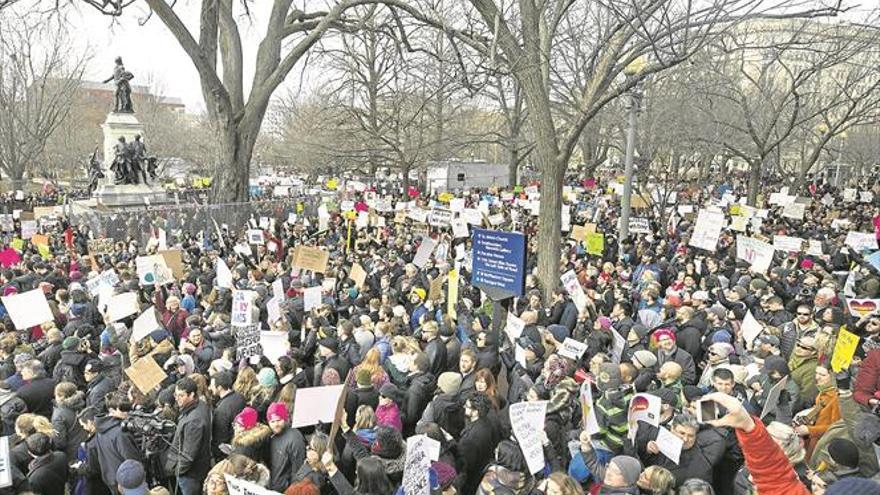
x,y
259,476
173,321
805,377
770,469
828,407
475,449
47,474
89,472
253,443
868,380
11,407
287,452
686,361
597,469
114,446
99,389
38,394
420,390
71,367
362,396
499,480
611,409
225,411
689,336
436,352
68,432
192,439
50,356
389,415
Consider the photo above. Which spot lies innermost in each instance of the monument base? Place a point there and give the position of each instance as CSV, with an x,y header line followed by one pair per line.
x,y
119,125
130,195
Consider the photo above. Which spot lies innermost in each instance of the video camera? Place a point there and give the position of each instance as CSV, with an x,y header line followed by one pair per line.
x,y
152,430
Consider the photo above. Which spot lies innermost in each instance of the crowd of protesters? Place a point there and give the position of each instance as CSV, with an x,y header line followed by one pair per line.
x,y
77,424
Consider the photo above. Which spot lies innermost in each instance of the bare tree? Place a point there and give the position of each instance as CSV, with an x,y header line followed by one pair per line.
x,y
38,79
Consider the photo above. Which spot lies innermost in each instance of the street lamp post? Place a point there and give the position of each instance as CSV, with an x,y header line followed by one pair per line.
x,y
632,106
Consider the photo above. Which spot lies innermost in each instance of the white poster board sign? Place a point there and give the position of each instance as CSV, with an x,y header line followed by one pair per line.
x,y
322,405
28,309
707,230
527,421
145,324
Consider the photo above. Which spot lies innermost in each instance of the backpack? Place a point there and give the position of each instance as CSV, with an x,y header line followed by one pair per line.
x,y
449,415
66,372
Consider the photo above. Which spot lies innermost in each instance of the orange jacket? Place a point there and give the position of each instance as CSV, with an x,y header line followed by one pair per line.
x,y
770,469
829,413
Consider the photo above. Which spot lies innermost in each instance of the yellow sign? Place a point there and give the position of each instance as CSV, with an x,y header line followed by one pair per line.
x,y
17,244
844,350
595,243
452,292
331,184
445,197
736,209
45,252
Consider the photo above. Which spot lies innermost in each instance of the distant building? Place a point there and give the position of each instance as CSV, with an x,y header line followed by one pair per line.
x,y
453,175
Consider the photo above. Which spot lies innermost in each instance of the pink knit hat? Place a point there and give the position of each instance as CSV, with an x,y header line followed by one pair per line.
x,y
247,418
277,411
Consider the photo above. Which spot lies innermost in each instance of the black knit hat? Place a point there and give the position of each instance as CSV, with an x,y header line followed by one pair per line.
x,y
844,452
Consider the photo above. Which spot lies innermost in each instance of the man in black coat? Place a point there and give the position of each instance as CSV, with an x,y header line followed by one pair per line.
x,y
287,448
329,349
227,406
420,386
47,473
100,385
114,446
187,456
72,363
38,390
477,443
435,348
52,353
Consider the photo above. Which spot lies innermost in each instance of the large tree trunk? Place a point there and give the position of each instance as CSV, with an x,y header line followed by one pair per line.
x,y
756,167
231,177
513,165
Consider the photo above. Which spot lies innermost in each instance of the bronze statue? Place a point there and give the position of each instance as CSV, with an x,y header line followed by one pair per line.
x,y
136,154
120,162
121,78
95,172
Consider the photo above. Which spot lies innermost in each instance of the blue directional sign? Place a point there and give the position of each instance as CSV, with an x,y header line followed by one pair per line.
x,y
499,262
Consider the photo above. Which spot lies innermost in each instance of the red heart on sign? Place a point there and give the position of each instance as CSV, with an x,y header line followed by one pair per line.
x,y
862,307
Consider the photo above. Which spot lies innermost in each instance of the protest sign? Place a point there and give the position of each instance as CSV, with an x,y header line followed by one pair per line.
x,y
814,248
788,244
440,217
28,309
107,278
435,288
866,196
452,292
578,233
739,223
28,228
144,325
100,246
278,288
643,407
145,374
311,298
122,306
310,258
174,261
40,240
514,327
472,216
456,204
707,230
794,211
527,421
7,223
572,349
669,444
423,254
247,341
844,349
499,261
751,328
274,345
5,463
617,346
861,241
255,236
573,287
418,462
849,194
273,309
358,274
153,270
242,307
588,412
9,257
459,228
861,307
224,275
773,397
238,486
595,243
322,405
639,225
758,253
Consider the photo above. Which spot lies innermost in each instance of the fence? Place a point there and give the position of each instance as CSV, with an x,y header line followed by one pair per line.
x,y
184,219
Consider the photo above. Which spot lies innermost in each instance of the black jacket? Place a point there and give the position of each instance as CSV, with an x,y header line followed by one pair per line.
x,y
453,353
475,449
99,389
71,368
114,446
436,352
192,439
689,336
68,432
47,475
225,411
286,455
420,391
50,356
361,396
38,396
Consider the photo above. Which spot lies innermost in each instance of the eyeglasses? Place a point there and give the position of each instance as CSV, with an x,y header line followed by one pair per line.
x,y
803,314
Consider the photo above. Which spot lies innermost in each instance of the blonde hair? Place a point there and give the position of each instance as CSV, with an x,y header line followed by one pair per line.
x,y
29,423
247,379
792,444
662,481
567,485
365,417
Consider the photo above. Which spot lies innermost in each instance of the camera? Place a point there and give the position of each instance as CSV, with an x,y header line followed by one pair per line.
x,y
147,424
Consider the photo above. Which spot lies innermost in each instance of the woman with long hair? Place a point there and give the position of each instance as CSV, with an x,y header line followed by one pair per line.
x,y
656,480
246,380
313,469
371,478
373,363
826,410
484,382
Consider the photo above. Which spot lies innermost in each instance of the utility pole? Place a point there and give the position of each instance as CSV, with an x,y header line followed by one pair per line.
x,y
632,106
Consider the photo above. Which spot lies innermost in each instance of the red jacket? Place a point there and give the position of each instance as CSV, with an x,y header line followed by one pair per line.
x,y
868,379
770,469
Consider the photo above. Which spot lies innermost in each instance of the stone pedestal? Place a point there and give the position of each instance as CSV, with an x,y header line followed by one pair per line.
x,y
118,125
130,195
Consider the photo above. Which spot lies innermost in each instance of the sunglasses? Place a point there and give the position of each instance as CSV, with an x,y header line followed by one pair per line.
x,y
803,314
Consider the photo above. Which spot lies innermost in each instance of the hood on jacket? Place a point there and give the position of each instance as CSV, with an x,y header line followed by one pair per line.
x,y
105,423
74,358
252,437
77,401
514,482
